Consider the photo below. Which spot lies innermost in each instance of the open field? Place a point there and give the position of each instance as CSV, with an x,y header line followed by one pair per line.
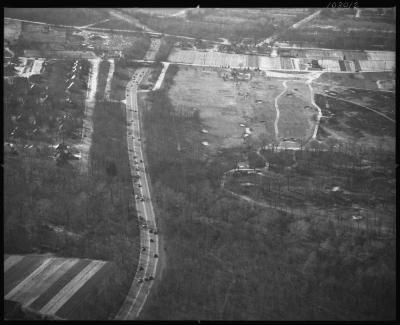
x,y
34,281
297,113
67,16
222,106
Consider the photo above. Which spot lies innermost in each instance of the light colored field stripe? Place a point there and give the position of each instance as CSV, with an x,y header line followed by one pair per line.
x,y
29,278
162,75
109,78
71,288
11,261
37,280
47,278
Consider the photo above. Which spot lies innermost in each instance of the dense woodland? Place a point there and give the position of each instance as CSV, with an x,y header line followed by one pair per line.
x,y
246,262
51,207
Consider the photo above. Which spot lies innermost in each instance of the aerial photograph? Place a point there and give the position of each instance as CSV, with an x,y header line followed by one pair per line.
x,y
199,163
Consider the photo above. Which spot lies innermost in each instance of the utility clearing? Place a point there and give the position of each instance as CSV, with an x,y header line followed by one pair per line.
x,y
90,103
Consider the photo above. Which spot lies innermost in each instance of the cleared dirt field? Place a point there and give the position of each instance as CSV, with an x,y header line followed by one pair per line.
x,y
222,105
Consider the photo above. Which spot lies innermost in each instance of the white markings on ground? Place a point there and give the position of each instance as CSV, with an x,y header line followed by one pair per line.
x,y
23,70
311,77
28,279
109,78
277,110
71,288
161,76
11,261
45,281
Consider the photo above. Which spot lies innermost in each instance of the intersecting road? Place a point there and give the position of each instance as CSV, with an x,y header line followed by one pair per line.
x,y
149,250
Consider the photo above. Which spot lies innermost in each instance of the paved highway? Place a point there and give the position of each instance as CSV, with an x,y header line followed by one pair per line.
x,y
149,249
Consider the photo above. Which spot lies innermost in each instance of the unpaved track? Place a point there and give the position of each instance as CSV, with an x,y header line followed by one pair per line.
x,y
277,111
90,103
139,292
161,76
109,78
312,76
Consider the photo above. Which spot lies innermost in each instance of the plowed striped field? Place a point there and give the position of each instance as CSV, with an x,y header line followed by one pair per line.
x,y
63,287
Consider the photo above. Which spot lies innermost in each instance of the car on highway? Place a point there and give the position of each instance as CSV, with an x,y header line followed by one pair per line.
x,y
151,240
143,249
142,199
155,255
140,280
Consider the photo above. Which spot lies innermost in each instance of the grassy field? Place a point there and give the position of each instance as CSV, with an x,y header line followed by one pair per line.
x,y
222,106
245,262
66,16
296,112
